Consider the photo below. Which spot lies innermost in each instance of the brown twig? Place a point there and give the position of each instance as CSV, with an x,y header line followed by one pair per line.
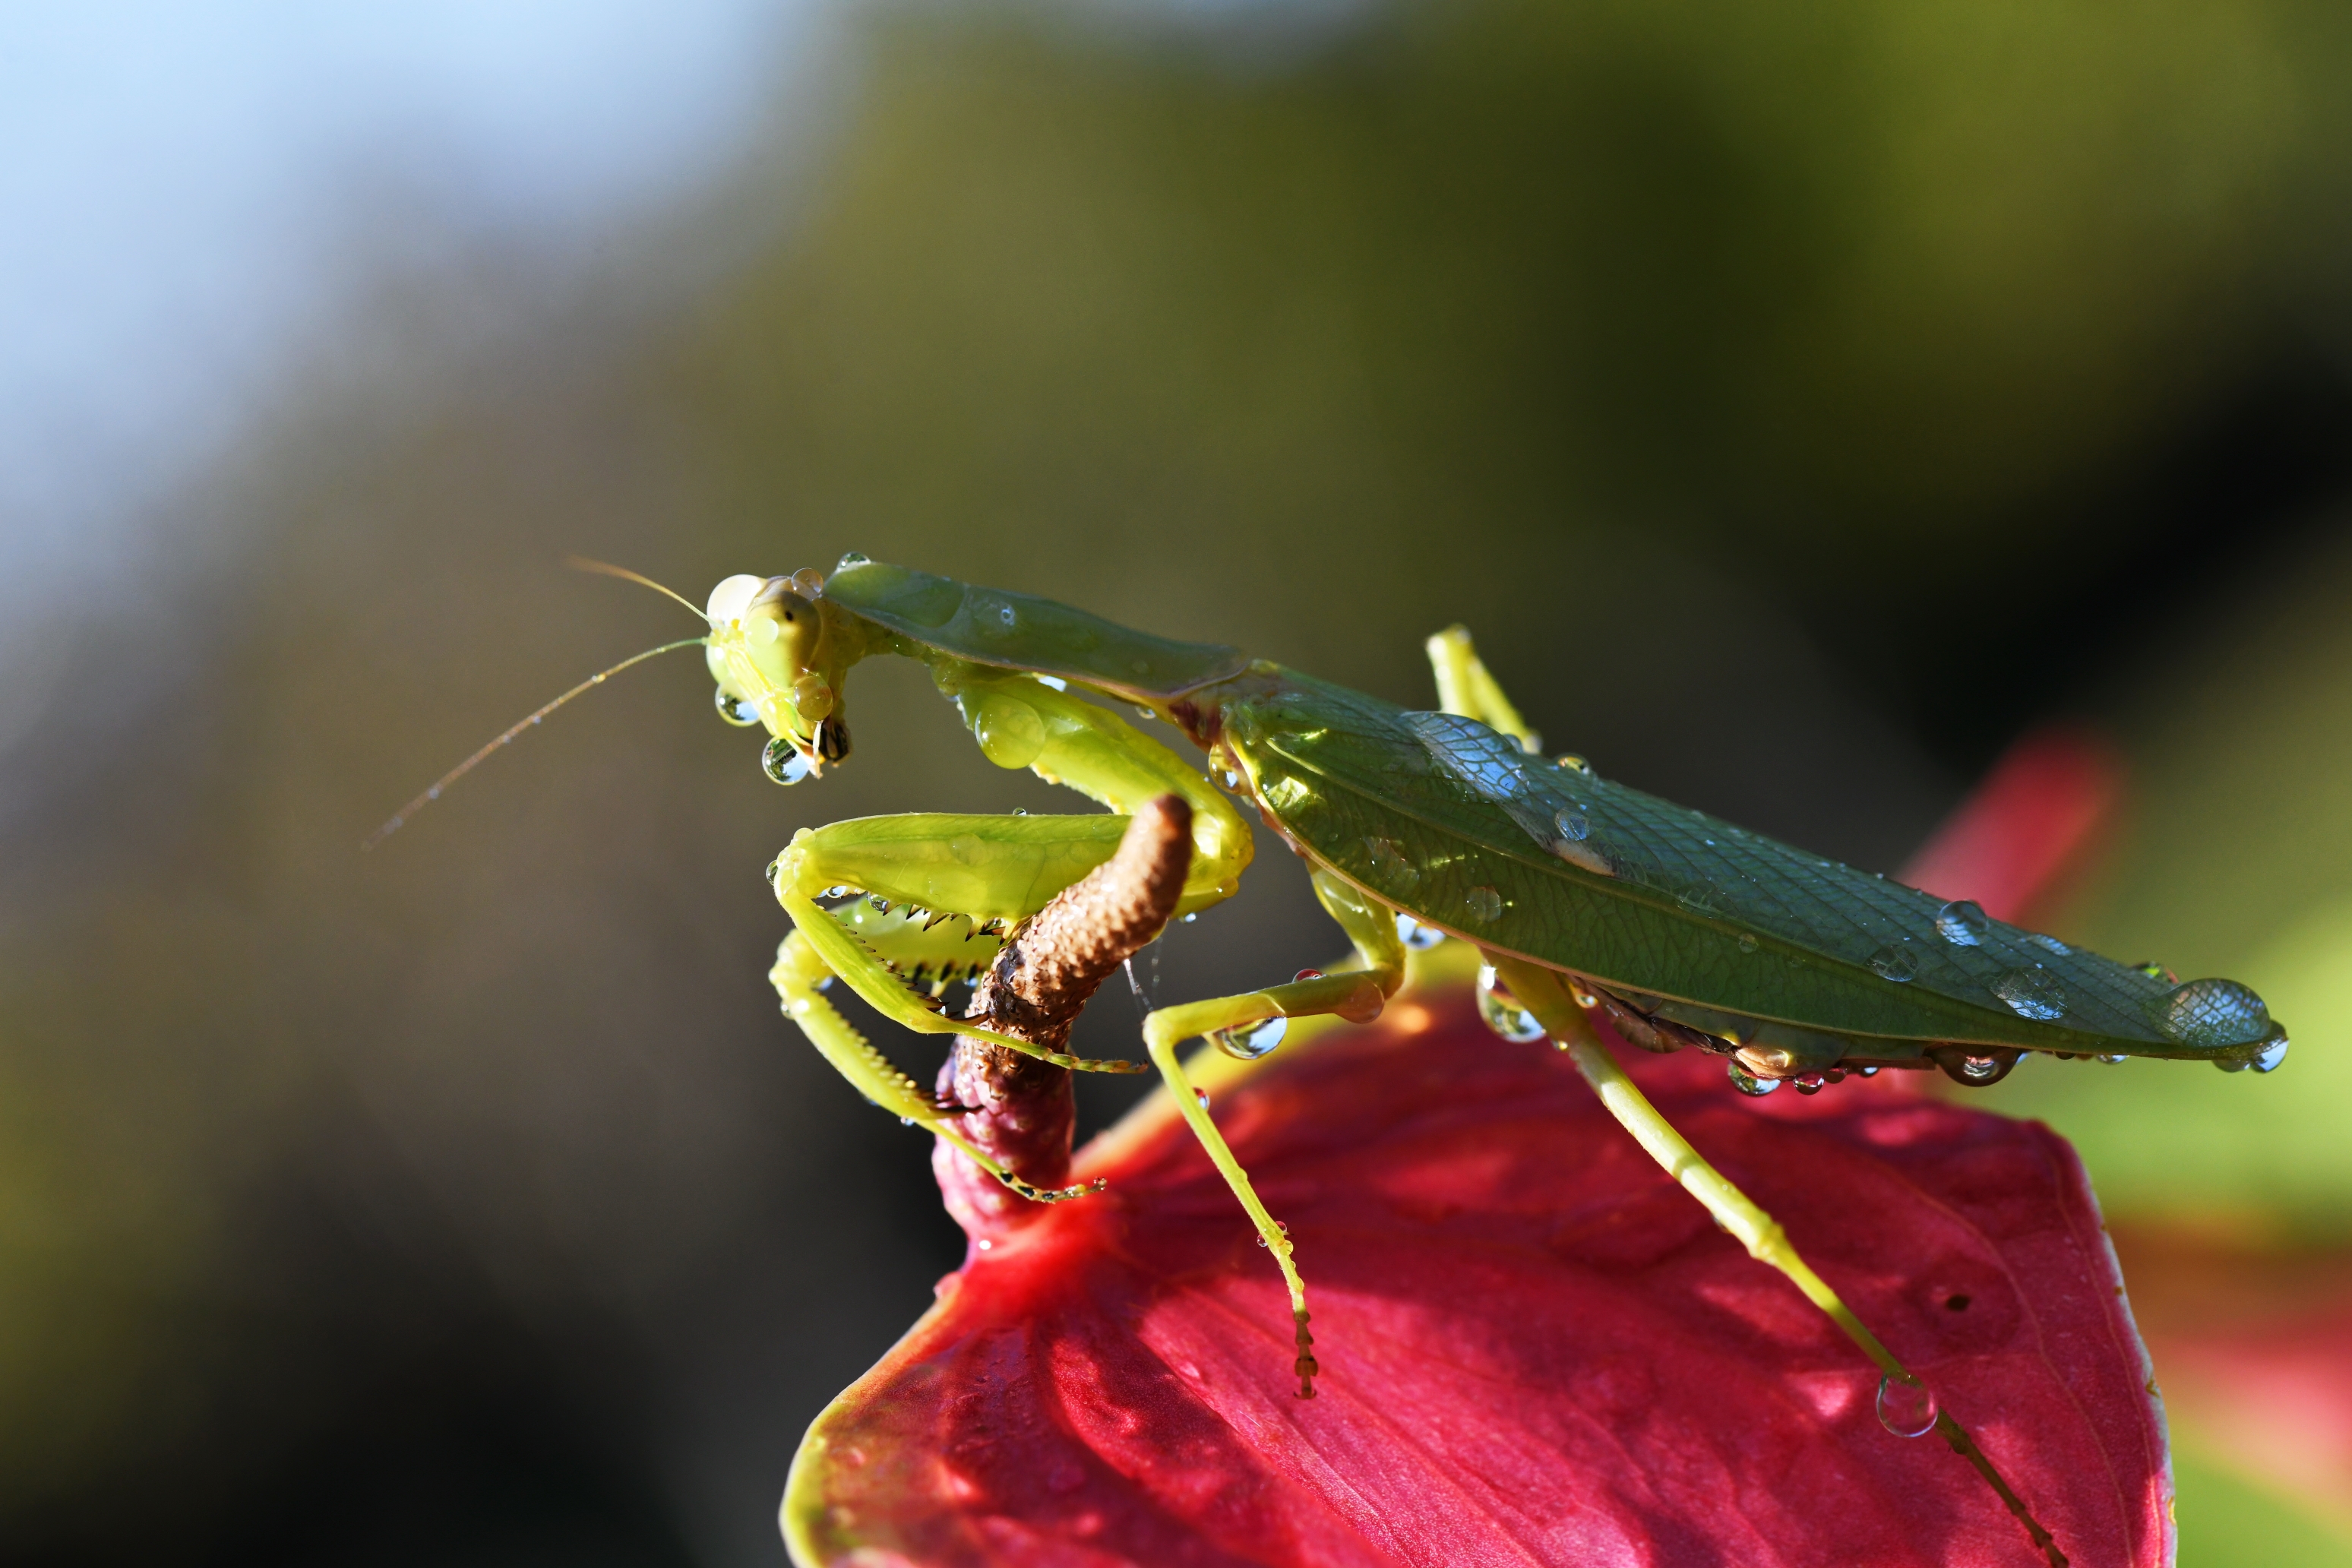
x,y
1021,1111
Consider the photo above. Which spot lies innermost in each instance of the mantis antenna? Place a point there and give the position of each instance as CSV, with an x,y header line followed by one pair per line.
x,y
432,792
606,569
578,563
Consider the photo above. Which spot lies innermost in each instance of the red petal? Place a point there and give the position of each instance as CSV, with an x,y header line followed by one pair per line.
x,y
2026,829
1535,1348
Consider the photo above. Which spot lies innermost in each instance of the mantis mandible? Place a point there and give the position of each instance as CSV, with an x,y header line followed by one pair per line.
x,y
1583,896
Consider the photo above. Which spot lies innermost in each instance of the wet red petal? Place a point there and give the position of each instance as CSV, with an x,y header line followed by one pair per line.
x,y
1536,1348
2027,828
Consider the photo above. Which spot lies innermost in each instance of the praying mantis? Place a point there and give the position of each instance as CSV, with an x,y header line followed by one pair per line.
x,y
1582,896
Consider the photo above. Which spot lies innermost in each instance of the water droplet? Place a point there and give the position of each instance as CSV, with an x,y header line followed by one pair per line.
x,y
1187,920
2268,1058
1278,1226
1976,1072
1009,732
1390,864
1894,963
1502,1012
1573,764
1231,780
850,558
985,1245
906,1121
1808,1082
1306,974
1417,936
432,794
1484,903
1746,1082
2208,1015
1867,1072
1251,1041
2031,993
2115,1061
735,710
1905,1409
1201,1096
785,763
2051,943
1573,825
2156,971
1963,923
1746,942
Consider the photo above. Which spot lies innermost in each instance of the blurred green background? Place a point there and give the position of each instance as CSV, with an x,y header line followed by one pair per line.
x,y
1799,403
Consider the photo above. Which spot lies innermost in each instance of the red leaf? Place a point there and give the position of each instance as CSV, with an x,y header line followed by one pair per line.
x,y
2027,828
1535,1348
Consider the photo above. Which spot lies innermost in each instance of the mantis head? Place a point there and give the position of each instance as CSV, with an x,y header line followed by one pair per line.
x,y
779,652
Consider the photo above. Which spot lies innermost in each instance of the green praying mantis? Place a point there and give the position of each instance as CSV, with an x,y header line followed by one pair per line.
x,y
1582,896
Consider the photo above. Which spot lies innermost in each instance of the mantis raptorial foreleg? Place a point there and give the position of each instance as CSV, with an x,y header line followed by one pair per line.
x,y
990,870
799,977
984,868
1357,994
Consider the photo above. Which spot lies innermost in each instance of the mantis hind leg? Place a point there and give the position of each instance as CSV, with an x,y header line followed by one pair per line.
x,y
1358,995
1465,687
1544,993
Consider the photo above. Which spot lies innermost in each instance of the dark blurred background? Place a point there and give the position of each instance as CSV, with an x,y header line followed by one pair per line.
x,y
1801,405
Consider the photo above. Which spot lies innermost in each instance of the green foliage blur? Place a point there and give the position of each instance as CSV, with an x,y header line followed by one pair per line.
x,y
1798,404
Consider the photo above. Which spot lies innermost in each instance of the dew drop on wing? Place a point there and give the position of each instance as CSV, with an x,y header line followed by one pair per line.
x,y
2041,939
1573,825
1390,863
1746,1082
1415,935
1484,903
1892,962
1501,1012
2156,971
1905,1409
1248,1042
2208,1015
2031,993
1963,923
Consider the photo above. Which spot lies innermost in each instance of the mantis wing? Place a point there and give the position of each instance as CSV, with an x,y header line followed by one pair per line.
x,y
1720,927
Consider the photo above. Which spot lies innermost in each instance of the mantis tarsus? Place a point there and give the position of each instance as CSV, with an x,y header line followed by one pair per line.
x,y
1582,895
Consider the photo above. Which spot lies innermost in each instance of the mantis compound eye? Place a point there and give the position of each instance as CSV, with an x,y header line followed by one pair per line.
x,y
733,596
